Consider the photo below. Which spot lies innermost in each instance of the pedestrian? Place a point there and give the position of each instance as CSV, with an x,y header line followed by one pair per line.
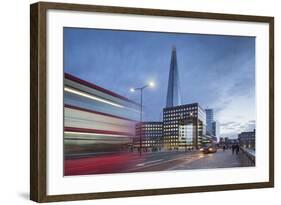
x,y
237,149
223,147
233,148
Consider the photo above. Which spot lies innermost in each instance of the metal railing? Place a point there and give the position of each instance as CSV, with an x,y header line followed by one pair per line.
x,y
249,156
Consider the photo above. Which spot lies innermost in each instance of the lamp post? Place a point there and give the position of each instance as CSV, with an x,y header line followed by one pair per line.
x,y
151,84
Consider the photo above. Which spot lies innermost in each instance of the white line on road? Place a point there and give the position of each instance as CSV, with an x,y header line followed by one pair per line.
x,y
150,162
189,160
157,162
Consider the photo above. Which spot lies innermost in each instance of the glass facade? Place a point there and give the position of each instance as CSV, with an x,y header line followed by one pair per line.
x,y
173,117
173,92
187,133
215,129
209,121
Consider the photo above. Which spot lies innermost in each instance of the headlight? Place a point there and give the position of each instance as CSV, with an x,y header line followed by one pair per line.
x,y
210,149
201,149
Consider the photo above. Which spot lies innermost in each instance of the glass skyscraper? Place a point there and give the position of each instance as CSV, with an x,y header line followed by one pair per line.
x,y
173,92
209,120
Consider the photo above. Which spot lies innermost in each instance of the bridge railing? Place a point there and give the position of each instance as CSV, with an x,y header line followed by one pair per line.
x,y
249,155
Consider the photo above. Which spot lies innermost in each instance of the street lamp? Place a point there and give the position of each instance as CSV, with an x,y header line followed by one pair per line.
x,y
151,85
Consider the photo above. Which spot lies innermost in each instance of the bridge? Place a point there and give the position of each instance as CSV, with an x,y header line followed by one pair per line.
x,y
155,161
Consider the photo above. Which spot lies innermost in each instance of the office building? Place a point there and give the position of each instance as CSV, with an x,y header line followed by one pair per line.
x,y
184,126
152,136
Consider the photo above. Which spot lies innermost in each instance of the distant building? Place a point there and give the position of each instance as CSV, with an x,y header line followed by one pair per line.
x,y
214,139
215,129
231,142
209,121
152,136
173,92
247,139
183,125
226,140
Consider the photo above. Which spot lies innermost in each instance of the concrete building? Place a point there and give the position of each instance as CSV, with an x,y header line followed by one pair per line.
x,y
151,135
247,139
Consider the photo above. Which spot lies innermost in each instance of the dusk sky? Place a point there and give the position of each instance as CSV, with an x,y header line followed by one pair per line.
x,y
216,71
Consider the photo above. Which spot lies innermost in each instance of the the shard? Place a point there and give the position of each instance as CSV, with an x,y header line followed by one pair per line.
x,y
173,93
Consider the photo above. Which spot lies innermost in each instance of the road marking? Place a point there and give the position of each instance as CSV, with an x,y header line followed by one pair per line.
x,y
188,161
155,163
150,162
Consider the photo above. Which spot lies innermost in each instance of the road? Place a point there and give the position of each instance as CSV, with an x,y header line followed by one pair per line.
x,y
151,161
221,159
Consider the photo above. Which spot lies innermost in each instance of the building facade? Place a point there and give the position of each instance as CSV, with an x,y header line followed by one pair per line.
x,y
151,135
173,92
187,133
183,126
215,129
247,139
209,121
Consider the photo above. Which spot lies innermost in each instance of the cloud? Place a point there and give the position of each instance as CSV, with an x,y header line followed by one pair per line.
x,y
249,126
232,127
231,123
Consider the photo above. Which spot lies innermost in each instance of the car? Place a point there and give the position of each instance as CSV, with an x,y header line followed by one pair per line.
x,y
208,149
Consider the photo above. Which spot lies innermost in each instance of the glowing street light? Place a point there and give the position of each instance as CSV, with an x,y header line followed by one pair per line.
x,y
151,85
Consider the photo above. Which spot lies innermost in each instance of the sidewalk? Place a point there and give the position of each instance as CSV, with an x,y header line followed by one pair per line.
x,y
220,159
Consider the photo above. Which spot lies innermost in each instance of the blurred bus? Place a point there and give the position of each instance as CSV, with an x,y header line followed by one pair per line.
x,y
96,120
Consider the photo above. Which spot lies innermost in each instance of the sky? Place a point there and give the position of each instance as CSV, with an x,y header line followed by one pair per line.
x,y
216,71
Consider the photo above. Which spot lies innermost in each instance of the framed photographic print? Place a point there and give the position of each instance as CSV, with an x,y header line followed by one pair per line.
x,y
133,102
